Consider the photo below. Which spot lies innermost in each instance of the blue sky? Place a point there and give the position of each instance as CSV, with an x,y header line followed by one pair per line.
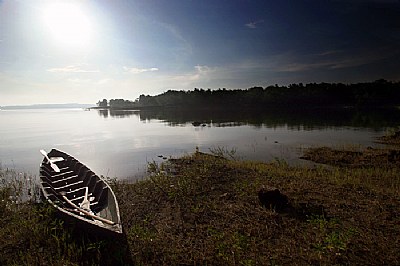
x,y
83,51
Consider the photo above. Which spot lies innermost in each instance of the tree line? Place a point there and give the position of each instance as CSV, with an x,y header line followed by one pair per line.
x,y
370,94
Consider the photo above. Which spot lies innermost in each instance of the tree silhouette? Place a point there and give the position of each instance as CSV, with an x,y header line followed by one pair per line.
x,y
311,95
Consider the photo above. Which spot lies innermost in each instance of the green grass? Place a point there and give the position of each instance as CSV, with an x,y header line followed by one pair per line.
x,y
204,209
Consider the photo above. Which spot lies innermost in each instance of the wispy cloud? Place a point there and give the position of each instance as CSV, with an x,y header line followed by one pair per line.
x,y
71,69
103,81
200,73
333,59
186,48
135,70
203,69
89,81
253,24
329,52
79,81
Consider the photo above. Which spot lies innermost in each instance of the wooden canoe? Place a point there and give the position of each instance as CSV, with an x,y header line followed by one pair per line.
x,y
79,195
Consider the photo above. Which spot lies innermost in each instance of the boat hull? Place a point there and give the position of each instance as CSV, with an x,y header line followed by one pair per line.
x,y
68,188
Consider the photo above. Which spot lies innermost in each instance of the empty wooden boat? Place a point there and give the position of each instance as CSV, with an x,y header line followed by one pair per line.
x,y
79,195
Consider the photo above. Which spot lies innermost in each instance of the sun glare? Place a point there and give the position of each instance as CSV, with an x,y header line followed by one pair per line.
x,y
67,24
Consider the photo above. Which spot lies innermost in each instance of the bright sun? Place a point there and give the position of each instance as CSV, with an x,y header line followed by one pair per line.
x,y
68,24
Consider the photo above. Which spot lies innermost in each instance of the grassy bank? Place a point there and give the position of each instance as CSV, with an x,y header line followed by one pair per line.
x,y
205,209
31,233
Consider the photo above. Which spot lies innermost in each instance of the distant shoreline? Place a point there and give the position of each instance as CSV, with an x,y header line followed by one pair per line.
x,y
47,106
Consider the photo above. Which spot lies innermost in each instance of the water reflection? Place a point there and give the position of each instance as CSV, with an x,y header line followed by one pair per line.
x,y
116,113
103,112
122,143
306,119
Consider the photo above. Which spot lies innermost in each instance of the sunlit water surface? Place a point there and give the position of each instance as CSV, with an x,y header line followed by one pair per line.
x,y
122,146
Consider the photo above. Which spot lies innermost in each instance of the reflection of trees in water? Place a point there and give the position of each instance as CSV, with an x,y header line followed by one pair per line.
x,y
304,119
116,113
103,112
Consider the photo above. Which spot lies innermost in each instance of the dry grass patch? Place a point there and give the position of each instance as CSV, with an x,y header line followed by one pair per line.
x,y
203,209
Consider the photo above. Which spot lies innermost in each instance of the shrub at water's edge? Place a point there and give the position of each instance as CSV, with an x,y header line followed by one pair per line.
x,y
392,138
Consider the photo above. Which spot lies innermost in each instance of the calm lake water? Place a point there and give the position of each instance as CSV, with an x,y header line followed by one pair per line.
x,y
122,143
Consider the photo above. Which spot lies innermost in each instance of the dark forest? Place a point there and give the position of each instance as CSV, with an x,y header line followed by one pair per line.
x,y
380,93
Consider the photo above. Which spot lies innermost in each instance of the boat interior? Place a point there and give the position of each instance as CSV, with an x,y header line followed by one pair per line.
x,y
73,180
